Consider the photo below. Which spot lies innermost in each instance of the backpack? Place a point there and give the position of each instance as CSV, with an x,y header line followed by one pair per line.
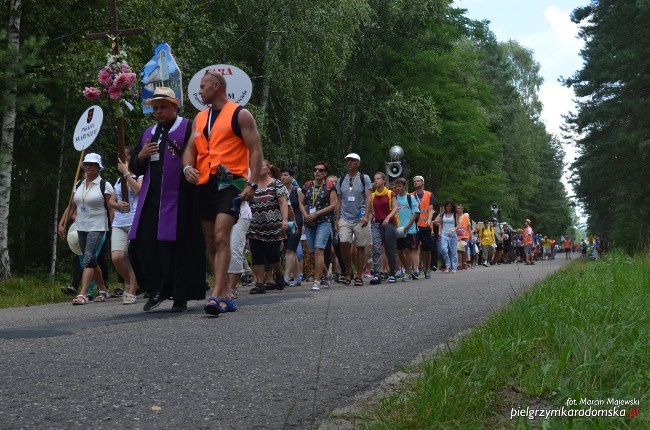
x,y
328,185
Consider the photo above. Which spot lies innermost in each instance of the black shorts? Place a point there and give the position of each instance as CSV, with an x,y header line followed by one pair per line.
x,y
499,246
425,239
213,201
408,242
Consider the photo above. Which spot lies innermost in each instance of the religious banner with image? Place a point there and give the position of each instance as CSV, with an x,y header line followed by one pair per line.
x,y
161,71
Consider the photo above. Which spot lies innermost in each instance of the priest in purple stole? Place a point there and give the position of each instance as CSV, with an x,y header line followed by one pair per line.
x,y
167,249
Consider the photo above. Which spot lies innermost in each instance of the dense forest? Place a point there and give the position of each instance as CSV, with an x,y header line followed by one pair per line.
x,y
329,77
612,124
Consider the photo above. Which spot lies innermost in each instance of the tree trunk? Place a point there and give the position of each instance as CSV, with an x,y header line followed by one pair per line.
x,y
7,148
55,220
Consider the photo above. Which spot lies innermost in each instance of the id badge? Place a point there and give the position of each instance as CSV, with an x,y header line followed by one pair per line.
x,y
352,198
155,157
312,210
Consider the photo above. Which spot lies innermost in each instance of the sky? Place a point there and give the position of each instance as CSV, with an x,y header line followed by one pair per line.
x,y
544,27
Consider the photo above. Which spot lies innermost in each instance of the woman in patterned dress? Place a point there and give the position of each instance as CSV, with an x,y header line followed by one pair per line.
x,y
268,228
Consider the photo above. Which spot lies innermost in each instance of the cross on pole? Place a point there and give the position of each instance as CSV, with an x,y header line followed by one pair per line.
x,y
113,34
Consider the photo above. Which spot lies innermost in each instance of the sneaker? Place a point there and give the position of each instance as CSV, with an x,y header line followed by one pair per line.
x,y
179,307
406,278
367,274
233,294
427,274
328,279
246,278
391,280
453,270
434,268
69,290
485,264
279,282
154,301
415,274
399,273
316,286
119,292
375,280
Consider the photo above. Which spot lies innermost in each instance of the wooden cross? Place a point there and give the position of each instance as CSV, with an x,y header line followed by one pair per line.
x,y
113,34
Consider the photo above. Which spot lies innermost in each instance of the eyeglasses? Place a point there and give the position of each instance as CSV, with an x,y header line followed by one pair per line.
x,y
318,169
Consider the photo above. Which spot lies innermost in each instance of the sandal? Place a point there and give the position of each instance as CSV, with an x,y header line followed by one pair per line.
x,y
347,280
213,308
230,305
102,296
358,282
128,299
80,300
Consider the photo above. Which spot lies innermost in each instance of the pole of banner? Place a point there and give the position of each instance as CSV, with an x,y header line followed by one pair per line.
x,y
76,178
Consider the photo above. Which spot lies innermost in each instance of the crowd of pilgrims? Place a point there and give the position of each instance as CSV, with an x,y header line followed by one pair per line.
x,y
333,229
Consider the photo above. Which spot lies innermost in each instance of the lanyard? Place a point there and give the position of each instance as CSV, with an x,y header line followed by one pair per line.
x,y
314,194
352,179
84,193
209,124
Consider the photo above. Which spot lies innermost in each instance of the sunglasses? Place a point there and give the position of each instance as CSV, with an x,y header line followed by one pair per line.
x,y
318,169
207,72
236,204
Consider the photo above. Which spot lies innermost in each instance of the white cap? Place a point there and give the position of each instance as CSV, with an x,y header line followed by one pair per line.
x,y
418,177
93,158
354,156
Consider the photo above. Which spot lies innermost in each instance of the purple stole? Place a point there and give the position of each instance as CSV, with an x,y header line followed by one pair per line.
x,y
171,182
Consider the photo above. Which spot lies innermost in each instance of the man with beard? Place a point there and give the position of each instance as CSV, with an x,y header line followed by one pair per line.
x,y
166,248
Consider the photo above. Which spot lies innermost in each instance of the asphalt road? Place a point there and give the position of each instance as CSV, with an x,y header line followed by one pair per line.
x,y
284,360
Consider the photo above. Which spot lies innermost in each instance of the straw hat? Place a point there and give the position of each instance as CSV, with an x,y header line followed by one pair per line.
x,y
163,93
73,239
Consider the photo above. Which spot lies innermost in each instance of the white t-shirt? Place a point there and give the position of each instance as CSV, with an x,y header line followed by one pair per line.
x,y
125,219
91,212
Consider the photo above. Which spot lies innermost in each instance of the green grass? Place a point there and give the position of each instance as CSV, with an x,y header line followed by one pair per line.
x,y
31,290
583,333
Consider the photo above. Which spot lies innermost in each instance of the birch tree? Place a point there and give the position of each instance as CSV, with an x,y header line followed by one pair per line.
x,y
8,127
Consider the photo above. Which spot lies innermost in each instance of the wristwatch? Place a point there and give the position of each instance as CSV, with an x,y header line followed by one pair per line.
x,y
252,185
